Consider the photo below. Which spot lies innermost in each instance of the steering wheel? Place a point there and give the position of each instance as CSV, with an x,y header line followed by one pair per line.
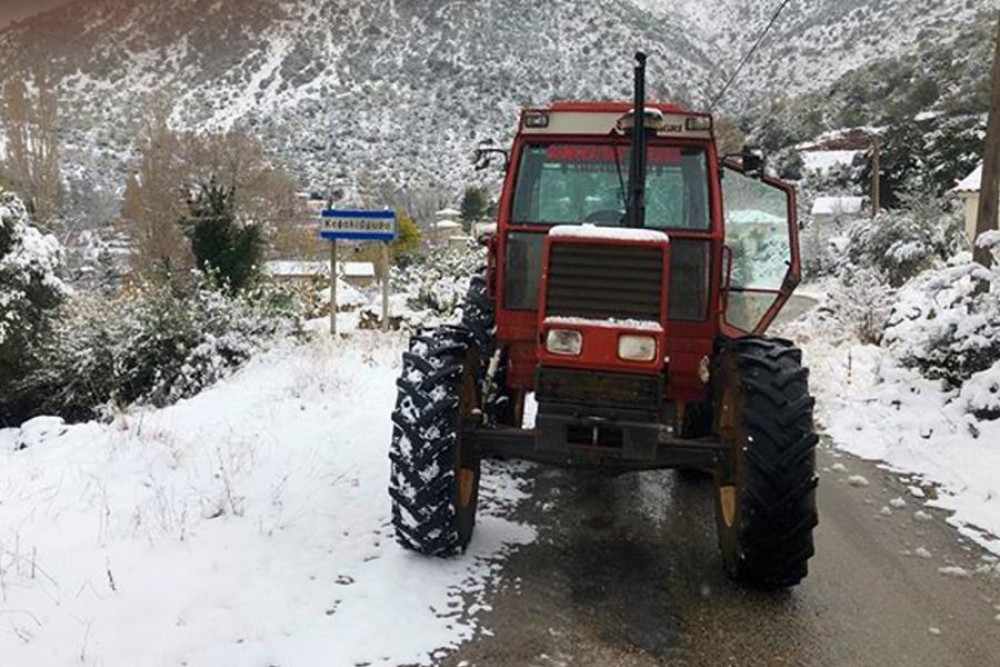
x,y
605,215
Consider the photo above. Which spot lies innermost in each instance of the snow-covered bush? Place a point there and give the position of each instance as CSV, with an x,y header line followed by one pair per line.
x,y
823,249
150,346
430,291
903,243
980,394
29,290
946,322
29,262
861,302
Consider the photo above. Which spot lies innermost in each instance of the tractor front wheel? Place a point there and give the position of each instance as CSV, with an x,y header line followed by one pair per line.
x,y
766,490
434,479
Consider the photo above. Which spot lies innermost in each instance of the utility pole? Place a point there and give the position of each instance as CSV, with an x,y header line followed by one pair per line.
x,y
876,174
989,189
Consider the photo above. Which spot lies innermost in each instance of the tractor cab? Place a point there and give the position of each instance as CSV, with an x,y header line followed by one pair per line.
x,y
731,251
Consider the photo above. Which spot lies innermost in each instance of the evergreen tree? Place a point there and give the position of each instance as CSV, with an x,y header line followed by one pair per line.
x,y
902,164
954,151
226,250
407,241
474,205
29,291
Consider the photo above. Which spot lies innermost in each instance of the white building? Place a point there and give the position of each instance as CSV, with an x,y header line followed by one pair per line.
x,y
448,214
968,191
358,274
837,210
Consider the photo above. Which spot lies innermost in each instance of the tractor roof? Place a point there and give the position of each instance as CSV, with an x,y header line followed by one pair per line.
x,y
612,107
604,118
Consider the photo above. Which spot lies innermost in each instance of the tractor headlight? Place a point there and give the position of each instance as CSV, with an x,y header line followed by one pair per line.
x,y
636,348
564,341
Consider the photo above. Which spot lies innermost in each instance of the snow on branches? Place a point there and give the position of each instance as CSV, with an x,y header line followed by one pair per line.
x,y
946,322
29,261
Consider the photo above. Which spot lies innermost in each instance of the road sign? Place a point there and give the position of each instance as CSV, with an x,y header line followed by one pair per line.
x,y
345,225
349,225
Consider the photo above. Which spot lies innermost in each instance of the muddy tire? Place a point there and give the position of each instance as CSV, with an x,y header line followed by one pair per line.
x,y
478,317
434,480
766,494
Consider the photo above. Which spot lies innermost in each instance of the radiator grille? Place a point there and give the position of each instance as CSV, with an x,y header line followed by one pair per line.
x,y
598,281
609,390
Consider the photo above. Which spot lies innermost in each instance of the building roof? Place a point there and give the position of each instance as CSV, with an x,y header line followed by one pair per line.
x,y
447,224
838,205
356,269
448,213
824,160
972,182
305,269
296,268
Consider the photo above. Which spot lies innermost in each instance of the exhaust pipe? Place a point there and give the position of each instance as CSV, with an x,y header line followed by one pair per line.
x,y
637,160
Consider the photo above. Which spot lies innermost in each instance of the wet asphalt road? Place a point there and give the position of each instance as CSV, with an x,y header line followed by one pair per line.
x,y
626,572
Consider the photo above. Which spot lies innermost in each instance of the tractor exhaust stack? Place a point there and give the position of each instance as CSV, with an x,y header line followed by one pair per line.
x,y
636,215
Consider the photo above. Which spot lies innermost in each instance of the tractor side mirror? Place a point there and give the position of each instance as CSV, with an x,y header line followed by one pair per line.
x,y
485,152
750,162
753,162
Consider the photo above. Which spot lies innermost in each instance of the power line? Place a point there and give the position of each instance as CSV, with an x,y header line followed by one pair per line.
x,y
749,54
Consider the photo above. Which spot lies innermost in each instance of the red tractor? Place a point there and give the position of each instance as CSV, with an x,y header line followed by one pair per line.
x,y
633,302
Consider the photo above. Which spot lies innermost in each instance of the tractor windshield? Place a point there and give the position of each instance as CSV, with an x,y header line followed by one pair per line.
x,y
572,183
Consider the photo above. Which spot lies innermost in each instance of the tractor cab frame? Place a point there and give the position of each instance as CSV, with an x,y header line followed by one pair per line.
x,y
573,288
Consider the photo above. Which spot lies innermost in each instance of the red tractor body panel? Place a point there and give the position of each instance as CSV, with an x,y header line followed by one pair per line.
x,y
601,337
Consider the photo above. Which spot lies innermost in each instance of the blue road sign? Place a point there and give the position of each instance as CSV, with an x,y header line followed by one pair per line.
x,y
346,225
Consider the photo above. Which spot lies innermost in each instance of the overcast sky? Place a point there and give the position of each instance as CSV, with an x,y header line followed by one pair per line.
x,y
13,10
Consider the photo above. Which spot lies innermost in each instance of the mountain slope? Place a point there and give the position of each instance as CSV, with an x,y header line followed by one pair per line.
x,y
815,42
399,92
404,88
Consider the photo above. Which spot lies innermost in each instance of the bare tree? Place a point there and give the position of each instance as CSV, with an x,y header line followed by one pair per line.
x,y
155,200
31,120
173,165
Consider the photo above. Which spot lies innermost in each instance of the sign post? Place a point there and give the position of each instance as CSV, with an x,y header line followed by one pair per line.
x,y
385,286
333,287
353,225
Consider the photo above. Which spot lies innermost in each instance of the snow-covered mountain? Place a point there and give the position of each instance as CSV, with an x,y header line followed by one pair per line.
x,y
363,89
814,42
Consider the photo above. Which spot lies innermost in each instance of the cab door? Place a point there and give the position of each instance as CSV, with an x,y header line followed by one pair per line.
x,y
761,238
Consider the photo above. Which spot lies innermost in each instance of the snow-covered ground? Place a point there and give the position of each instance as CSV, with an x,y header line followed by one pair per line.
x,y
874,408
246,526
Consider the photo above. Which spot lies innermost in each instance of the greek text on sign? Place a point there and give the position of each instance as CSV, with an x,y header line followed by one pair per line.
x,y
359,225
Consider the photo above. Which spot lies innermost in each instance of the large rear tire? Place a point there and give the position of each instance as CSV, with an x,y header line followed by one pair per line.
x,y
766,493
434,479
